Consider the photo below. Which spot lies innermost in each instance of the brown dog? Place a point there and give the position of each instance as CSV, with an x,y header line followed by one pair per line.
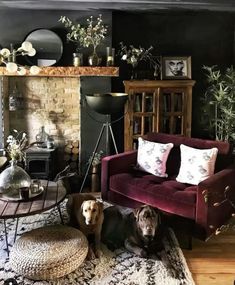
x,y
87,215
139,231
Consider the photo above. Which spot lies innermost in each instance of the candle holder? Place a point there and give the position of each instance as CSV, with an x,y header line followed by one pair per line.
x,y
110,53
77,59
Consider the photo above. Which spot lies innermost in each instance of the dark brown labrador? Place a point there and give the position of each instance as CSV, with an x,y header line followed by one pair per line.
x,y
139,231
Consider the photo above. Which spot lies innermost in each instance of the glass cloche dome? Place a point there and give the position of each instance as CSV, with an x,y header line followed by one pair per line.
x,y
12,179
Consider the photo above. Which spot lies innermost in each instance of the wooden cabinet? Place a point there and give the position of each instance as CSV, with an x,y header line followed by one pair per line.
x,y
162,106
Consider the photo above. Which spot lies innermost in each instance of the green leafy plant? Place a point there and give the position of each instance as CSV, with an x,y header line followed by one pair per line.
x,y
218,104
91,34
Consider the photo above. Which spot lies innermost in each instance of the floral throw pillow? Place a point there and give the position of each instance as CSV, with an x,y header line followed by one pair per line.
x,y
152,157
196,164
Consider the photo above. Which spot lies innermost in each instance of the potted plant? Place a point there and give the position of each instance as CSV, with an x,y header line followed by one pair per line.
x,y
219,103
91,34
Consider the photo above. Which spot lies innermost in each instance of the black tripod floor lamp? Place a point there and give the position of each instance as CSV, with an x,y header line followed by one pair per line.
x,y
106,104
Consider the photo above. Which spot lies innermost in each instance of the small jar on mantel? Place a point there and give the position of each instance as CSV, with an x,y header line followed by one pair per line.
x,y
77,59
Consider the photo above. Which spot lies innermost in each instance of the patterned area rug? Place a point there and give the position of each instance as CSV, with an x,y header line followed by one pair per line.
x,y
113,268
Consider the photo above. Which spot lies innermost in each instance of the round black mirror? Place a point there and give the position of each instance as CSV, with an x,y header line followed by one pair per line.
x,y
48,45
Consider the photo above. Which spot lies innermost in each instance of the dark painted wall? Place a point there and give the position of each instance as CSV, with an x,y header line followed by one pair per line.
x,y
208,37
15,25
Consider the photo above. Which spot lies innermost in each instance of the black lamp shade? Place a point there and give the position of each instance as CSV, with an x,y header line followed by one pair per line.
x,y
107,104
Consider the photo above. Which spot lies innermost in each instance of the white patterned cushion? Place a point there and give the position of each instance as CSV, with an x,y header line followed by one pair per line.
x,y
152,157
196,164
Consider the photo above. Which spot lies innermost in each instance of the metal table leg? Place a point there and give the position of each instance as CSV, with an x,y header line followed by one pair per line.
x,y
6,236
17,220
61,217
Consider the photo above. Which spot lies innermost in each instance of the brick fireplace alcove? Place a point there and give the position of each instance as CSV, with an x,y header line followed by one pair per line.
x,y
51,99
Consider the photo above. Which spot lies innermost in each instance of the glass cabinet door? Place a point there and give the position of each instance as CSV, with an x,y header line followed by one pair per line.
x,y
148,124
178,102
172,111
157,106
137,125
144,111
137,102
148,102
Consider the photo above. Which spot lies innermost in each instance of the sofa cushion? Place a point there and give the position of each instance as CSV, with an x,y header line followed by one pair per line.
x,y
196,164
224,157
163,193
152,157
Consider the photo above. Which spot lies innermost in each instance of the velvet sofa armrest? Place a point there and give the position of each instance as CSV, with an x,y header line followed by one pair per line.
x,y
114,164
213,209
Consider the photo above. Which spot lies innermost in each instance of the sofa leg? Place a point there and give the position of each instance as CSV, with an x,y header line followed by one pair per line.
x,y
190,242
185,240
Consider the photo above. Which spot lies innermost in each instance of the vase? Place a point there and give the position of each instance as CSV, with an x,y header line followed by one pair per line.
x,y
13,179
156,72
95,177
134,72
42,137
94,59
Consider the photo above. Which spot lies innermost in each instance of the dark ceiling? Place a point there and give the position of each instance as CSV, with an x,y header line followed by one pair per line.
x,y
124,5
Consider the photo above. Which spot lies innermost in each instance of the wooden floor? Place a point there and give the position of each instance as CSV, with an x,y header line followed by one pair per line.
x,y
213,262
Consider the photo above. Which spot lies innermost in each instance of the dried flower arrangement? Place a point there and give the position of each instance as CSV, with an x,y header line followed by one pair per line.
x,y
91,34
133,56
16,144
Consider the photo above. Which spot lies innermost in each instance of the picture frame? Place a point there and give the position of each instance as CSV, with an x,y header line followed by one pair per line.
x,y
176,67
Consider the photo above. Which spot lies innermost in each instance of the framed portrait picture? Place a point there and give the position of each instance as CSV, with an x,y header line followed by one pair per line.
x,y
176,67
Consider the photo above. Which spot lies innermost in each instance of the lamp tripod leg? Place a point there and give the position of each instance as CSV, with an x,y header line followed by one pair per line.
x,y
92,157
107,144
114,143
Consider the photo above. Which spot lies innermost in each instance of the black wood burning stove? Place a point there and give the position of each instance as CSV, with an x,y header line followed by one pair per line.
x,y
40,162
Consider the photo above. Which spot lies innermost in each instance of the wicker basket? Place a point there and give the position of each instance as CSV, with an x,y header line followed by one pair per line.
x,y
49,252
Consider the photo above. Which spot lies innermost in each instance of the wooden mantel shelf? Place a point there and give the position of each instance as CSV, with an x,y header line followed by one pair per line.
x,y
68,71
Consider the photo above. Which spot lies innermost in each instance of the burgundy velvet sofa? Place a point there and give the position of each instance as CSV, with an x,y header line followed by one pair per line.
x,y
123,184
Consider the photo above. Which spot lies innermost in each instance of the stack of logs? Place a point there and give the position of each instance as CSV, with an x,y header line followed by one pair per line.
x,y
71,154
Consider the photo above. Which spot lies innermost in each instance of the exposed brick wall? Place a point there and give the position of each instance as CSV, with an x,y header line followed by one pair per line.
x,y
51,102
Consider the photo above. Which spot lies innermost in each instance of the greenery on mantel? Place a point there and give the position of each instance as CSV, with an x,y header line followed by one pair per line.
x,y
218,104
90,34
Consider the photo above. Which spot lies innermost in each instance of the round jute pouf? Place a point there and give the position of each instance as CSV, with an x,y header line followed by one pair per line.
x,y
49,252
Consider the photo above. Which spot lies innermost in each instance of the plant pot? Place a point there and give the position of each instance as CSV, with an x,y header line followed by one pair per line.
x,y
95,178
